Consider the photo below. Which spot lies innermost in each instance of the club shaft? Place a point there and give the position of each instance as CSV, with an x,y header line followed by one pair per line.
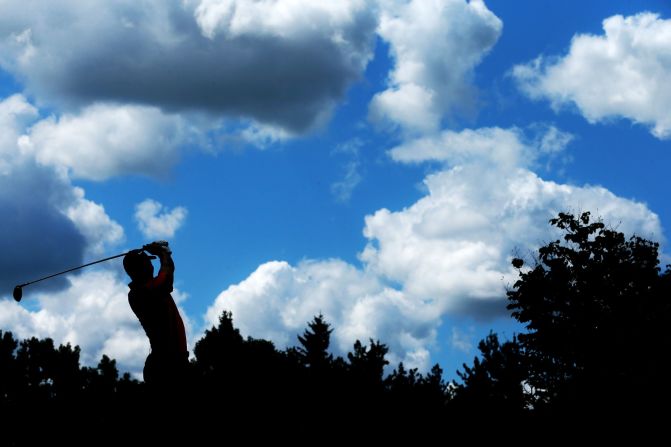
x,y
73,269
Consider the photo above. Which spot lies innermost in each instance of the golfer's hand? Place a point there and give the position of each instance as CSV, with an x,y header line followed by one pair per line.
x,y
158,248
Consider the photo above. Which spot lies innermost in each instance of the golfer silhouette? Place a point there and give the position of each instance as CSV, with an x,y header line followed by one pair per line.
x,y
151,300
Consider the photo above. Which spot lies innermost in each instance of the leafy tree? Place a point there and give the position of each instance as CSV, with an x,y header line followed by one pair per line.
x,y
434,388
218,346
367,363
597,313
8,369
401,380
414,397
102,380
41,368
66,372
364,377
243,376
495,384
43,391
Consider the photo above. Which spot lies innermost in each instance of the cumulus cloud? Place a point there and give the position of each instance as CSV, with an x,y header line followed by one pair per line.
x,y
81,314
15,115
108,140
284,64
503,148
277,300
48,225
90,218
435,46
454,245
624,72
449,253
98,319
38,238
158,222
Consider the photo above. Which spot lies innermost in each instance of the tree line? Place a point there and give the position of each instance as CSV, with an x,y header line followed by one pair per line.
x,y
595,306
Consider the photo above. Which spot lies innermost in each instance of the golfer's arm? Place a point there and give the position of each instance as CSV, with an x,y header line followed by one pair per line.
x,y
166,273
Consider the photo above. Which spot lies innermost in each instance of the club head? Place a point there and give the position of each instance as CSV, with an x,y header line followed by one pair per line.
x,y
18,293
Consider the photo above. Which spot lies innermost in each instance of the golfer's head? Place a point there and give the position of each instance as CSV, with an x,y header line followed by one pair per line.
x,y
138,265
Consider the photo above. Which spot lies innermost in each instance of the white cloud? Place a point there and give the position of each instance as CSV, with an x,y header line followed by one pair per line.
x,y
554,140
285,64
277,300
158,222
435,46
449,253
263,136
292,19
98,319
343,189
454,245
413,106
93,223
15,115
50,230
626,72
504,149
107,140
82,315
461,340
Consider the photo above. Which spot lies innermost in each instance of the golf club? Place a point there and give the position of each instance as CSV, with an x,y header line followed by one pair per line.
x,y
18,290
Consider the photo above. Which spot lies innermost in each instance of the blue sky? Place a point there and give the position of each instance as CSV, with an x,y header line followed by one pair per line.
x,y
380,162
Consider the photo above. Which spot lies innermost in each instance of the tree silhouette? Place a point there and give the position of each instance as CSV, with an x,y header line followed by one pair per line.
x,y
9,374
597,313
44,393
233,379
102,381
217,345
494,385
367,363
242,376
315,343
47,372
416,400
